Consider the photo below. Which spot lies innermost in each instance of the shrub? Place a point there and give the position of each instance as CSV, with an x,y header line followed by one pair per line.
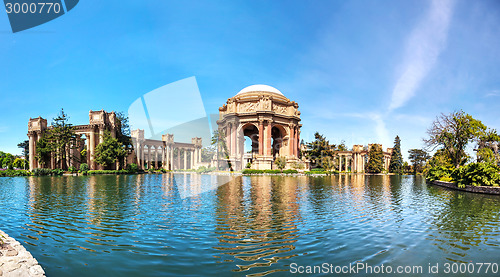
x,y
14,173
318,169
132,168
98,172
72,169
57,171
252,171
290,171
84,168
438,172
42,171
272,171
248,165
477,174
318,172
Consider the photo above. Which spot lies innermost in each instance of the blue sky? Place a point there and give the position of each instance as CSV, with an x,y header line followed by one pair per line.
x,y
361,71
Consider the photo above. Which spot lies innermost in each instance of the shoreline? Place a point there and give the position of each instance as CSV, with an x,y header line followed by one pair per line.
x,y
467,188
15,260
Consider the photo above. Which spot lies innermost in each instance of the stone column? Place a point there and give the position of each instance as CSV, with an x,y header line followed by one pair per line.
x,y
32,149
171,150
268,139
235,141
138,153
291,141
228,138
91,149
340,162
168,158
261,137
192,159
297,139
148,165
178,158
156,157
143,155
199,155
163,158
101,134
294,142
185,158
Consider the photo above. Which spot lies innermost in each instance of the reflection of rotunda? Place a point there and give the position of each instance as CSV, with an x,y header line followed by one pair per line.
x,y
269,119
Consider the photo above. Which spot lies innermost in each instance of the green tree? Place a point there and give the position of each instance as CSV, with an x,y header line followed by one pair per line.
x,y
61,138
395,166
319,148
452,133
418,157
375,162
328,163
280,162
123,135
342,146
487,147
43,150
219,140
25,146
109,151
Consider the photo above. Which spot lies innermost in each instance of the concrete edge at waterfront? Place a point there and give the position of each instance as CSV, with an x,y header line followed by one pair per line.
x,y
467,188
15,260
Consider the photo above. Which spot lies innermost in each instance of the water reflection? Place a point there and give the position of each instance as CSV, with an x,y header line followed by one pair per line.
x,y
256,222
190,224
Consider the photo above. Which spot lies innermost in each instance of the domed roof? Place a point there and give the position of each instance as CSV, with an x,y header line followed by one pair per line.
x,y
264,88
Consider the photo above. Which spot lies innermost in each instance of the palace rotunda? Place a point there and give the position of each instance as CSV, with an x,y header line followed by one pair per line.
x,y
271,122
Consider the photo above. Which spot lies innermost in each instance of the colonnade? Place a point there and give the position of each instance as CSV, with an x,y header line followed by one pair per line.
x,y
172,155
289,140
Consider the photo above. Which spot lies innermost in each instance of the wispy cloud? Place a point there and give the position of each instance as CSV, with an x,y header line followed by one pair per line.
x,y
493,93
423,47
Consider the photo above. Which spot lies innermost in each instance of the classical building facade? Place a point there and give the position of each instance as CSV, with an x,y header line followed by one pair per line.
x,y
149,153
269,119
357,159
88,136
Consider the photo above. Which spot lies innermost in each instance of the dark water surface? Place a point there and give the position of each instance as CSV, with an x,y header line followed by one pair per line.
x,y
188,224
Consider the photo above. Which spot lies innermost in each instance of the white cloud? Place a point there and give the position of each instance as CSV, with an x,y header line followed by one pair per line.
x,y
423,47
493,93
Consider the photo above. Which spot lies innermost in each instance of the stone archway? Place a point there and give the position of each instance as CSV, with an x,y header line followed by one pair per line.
x,y
270,119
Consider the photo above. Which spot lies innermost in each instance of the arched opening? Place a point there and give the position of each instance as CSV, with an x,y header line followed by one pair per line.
x,y
277,136
251,143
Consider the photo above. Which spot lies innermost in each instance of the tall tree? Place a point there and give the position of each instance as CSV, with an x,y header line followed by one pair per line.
x,y
418,157
61,138
25,146
396,164
452,132
109,151
123,135
375,162
318,148
43,150
219,140
487,147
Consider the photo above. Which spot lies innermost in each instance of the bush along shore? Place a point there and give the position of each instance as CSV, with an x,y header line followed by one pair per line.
x,y
474,177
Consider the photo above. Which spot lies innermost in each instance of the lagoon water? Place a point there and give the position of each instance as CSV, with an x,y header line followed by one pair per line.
x,y
208,225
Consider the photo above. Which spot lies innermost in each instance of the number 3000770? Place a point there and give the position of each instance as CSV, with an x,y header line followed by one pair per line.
x,y
33,7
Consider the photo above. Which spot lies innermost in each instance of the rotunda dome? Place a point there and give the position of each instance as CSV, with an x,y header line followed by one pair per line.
x,y
256,88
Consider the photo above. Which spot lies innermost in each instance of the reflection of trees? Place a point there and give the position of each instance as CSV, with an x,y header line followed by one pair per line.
x,y
466,219
256,220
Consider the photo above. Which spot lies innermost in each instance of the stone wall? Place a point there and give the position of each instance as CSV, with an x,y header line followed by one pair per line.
x,y
15,260
485,190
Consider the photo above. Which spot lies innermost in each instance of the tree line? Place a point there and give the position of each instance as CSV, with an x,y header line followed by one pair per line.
x,y
323,154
